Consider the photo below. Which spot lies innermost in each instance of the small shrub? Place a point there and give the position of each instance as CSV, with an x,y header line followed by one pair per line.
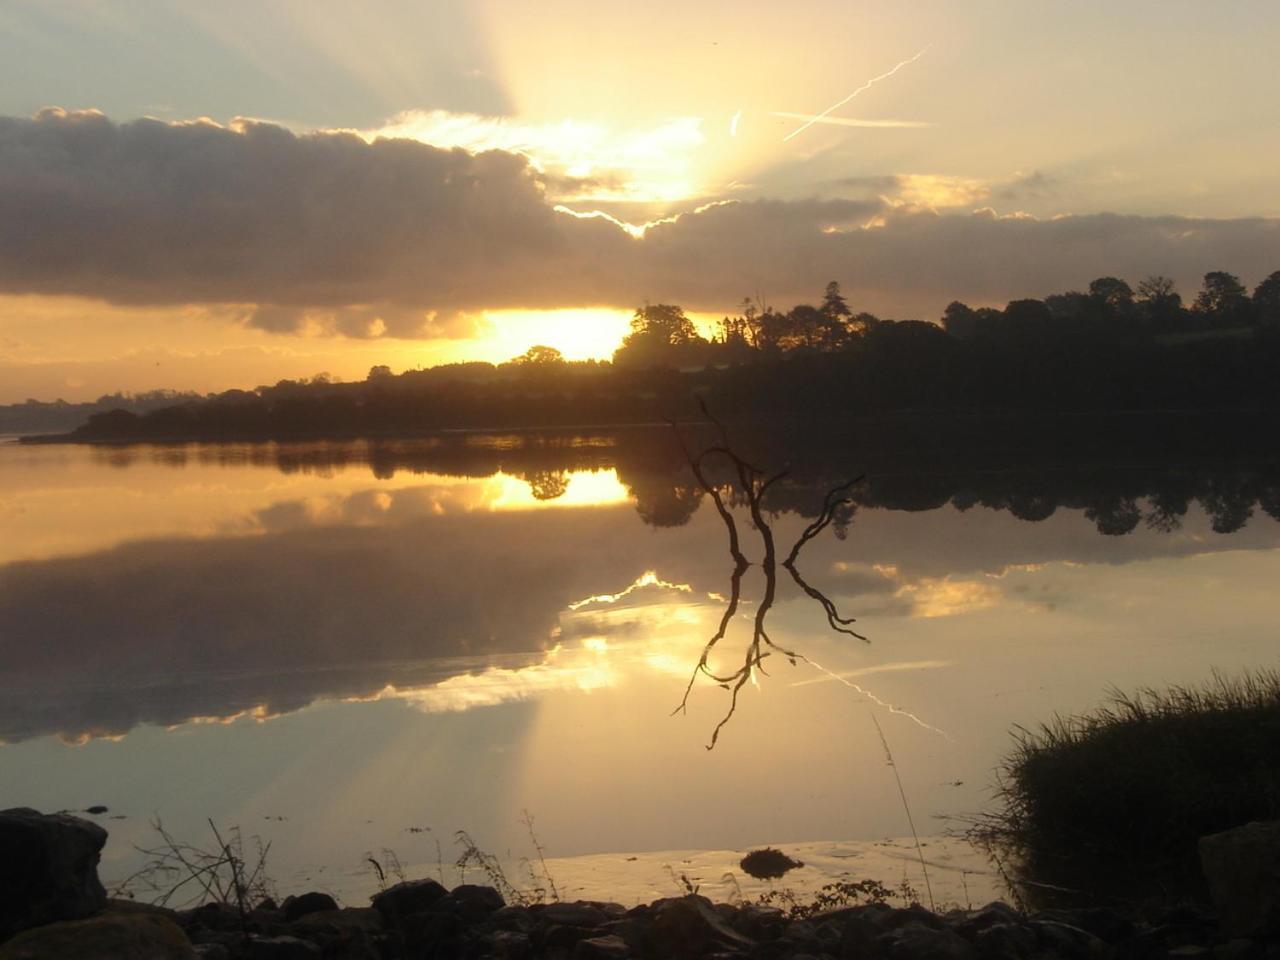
x,y
841,893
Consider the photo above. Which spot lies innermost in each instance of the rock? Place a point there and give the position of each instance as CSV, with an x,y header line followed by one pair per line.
x,y
801,937
211,916
993,914
407,898
1102,923
431,932
608,947
281,948
633,932
579,914
916,941
767,863
510,945
557,940
1242,869
1006,941
111,936
1068,942
212,951
49,870
689,927
346,920
470,902
514,917
295,908
760,923
135,906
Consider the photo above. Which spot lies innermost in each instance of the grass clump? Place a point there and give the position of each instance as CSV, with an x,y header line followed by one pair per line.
x,y
1110,804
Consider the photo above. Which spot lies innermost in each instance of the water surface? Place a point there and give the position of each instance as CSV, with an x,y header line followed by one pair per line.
x,y
348,648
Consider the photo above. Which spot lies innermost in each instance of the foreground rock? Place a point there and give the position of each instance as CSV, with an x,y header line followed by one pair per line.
x,y
48,869
472,922
139,935
1242,868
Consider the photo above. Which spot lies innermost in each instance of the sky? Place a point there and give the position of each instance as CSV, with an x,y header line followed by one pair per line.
x,y
203,196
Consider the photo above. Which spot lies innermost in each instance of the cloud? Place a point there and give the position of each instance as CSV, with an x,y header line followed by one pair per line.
x,y
153,212
581,160
328,233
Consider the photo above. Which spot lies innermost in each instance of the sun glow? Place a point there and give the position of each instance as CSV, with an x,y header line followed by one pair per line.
x,y
580,159
592,333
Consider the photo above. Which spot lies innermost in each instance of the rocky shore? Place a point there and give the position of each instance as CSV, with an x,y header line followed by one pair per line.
x,y
52,905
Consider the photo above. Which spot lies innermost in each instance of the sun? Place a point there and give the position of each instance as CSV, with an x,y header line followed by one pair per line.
x,y
590,333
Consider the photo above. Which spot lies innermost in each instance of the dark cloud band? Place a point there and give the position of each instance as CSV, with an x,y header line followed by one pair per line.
x,y
328,233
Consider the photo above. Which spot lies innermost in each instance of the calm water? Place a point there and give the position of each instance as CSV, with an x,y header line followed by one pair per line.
x,y
347,652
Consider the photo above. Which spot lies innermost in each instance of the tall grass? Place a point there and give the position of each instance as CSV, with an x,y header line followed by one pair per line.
x,y
1113,802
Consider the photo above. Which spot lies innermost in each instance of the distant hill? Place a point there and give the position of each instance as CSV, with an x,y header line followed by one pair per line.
x,y
59,416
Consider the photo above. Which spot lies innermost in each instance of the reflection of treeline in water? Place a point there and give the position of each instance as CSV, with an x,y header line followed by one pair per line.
x,y
1110,349
1123,473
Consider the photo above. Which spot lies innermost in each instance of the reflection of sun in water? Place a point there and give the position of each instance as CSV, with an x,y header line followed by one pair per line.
x,y
584,488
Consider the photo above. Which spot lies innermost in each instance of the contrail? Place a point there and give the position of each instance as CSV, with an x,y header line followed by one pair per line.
x,y
733,124
866,86
881,703
850,121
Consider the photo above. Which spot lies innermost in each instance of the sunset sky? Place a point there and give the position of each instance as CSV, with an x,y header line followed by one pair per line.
x,y
207,195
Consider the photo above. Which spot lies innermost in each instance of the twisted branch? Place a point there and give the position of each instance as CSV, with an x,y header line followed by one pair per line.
x,y
754,489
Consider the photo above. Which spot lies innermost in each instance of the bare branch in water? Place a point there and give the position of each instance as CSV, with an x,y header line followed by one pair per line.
x,y
753,489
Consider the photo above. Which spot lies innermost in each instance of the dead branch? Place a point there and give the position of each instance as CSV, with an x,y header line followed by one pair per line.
x,y
753,488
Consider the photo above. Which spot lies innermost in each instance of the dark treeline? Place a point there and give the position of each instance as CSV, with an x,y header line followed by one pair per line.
x,y
1120,480
1110,349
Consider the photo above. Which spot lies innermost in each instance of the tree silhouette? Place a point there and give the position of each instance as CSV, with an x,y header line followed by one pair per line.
x,y
547,484
834,305
660,335
1223,298
1266,300
1160,301
539,356
1113,292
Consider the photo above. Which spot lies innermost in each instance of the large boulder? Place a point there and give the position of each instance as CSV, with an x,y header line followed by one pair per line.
x,y
49,870
295,908
407,898
1242,869
110,936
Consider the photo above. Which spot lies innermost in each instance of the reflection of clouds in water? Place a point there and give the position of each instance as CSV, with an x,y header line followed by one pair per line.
x,y
337,597
649,578
946,597
893,594
609,648
590,670
163,631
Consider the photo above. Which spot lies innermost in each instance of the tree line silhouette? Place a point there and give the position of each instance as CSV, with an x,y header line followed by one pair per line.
x,y
1113,348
